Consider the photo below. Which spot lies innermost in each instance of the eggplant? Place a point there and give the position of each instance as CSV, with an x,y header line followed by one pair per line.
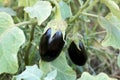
x,y
77,54
50,47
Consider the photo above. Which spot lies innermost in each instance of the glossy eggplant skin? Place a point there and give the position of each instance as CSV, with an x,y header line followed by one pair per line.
x,y
77,56
50,48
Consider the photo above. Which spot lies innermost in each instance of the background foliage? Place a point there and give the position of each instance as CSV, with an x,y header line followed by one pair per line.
x,y
95,22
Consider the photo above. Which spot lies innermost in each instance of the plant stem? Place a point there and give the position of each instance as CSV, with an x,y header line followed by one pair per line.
x,y
57,11
101,32
84,13
91,15
21,63
79,12
92,5
33,22
29,45
26,23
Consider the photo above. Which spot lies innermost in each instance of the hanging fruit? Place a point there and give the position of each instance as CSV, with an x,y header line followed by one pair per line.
x,y
51,46
77,54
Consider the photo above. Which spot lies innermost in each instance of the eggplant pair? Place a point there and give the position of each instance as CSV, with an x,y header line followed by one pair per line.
x,y
51,46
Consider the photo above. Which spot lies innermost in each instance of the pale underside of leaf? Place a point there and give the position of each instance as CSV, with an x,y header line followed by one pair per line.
x,y
31,73
41,10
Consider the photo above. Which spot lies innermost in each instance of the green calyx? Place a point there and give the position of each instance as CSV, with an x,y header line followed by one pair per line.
x,y
56,25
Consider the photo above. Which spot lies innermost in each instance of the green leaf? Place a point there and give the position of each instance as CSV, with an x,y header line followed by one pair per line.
x,y
11,38
118,60
112,26
64,71
65,10
8,10
114,8
30,73
26,2
101,76
51,76
41,10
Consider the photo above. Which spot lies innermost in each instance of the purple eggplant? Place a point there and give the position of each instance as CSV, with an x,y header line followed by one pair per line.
x,y
77,54
51,47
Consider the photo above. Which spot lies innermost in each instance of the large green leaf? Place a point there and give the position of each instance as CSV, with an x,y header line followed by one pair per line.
x,y
41,10
112,26
101,76
64,72
31,73
11,38
114,8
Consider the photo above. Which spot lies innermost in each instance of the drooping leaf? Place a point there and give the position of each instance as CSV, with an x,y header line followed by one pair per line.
x,y
41,10
114,8
30,73
65,10
26,3
112,26
11,38
100,76
64,71
118,60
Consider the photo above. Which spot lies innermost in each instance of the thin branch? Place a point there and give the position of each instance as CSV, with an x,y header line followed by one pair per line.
x,y
29,45
92,5
26,23
79,12
97,33
84,8
89,14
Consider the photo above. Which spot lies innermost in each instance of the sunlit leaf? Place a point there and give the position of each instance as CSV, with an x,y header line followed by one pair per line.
x,y
11,38
41,10
30,73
